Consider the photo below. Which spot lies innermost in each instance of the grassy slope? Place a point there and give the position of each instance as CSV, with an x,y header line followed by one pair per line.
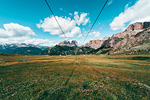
x,y
89,77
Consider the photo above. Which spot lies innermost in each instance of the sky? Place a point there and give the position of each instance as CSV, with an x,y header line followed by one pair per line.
x,y
31,22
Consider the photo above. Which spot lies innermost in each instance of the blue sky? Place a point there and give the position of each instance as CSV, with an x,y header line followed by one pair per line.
x,y
30,21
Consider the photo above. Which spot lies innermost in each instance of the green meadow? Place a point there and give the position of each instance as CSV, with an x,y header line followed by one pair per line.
x,y
90,77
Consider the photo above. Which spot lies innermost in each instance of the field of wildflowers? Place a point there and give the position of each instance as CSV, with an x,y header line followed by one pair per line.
x,y
90,77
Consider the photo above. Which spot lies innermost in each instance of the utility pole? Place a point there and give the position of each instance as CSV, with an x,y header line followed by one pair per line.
x,y
75,54
66,53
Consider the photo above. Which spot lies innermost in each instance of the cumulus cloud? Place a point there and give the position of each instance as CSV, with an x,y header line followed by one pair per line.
x,y
82,19
15,30
73,32
95,34
50,25
79,35
70,14
69,26
110,2
27,40
14,33
10,40
38,41
62,9
137,13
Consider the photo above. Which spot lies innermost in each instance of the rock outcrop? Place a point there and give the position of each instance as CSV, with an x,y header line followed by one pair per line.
x,y
124,33
111,41
128,36
134,39
73,43
138,26
95,43
136,34
64,43
133,29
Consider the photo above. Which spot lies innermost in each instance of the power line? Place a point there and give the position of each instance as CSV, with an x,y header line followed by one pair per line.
x,y
95,21
56,19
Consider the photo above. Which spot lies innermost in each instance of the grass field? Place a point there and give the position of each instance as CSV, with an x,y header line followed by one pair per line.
x,y
90,77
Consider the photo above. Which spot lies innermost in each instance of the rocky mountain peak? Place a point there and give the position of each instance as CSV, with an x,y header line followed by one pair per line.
x,y
96,43
129,36
67,43
138,26
74,43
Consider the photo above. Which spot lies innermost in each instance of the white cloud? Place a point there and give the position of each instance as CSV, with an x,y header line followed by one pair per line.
x,y
15,33
27,40
68,25
61,9
73,32
82,19
123,28
15,30
126,7
100,28
10,40
70,14
137,13
110,2
79,35
45,42
96,34
50,25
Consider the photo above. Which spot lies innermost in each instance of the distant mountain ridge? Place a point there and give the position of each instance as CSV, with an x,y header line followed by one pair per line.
x,y
14,48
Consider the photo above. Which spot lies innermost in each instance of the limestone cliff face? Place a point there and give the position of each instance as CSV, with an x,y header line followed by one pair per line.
x,y
134,39
74,43
127,37
124,33
111,41
64,43
135,33
133,29
138,26
95,43
67,43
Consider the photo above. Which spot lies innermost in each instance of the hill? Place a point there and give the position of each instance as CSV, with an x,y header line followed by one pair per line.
x,y
65,50
27,50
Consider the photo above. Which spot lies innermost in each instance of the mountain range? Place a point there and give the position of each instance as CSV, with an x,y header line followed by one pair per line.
x,y
73,43
22,48
135,39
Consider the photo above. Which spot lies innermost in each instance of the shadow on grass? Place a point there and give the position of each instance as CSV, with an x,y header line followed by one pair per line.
x,y
70,76
141,58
